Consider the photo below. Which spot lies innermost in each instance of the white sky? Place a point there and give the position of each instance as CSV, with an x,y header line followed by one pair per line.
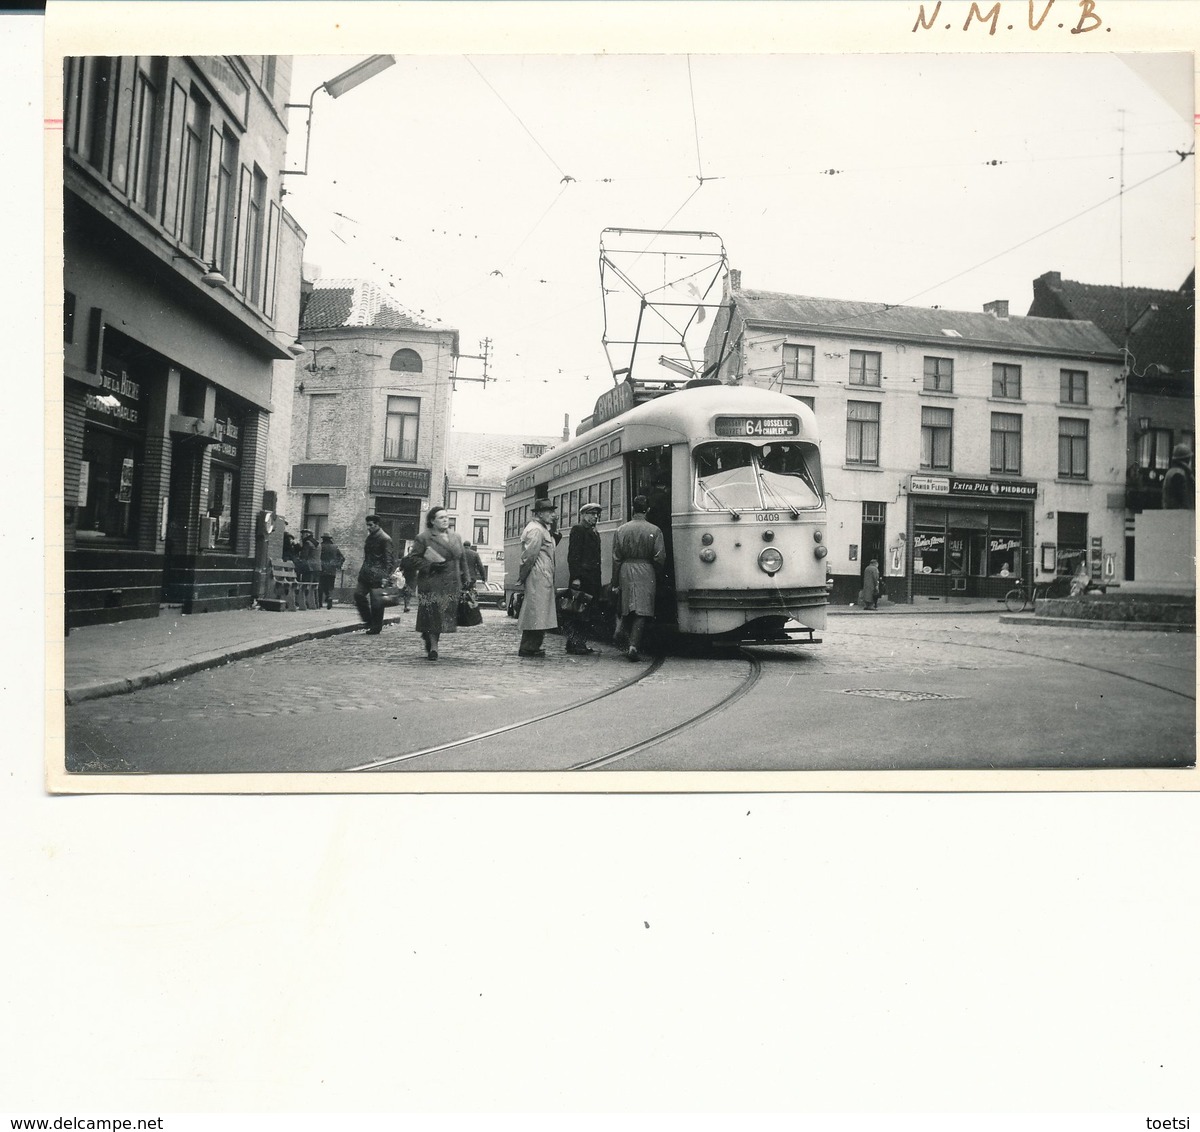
x,y
447,168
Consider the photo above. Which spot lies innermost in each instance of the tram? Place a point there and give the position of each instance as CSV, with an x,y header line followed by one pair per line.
x,y
733,476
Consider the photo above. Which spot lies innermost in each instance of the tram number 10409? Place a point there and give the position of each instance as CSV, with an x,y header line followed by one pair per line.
x,y
757,426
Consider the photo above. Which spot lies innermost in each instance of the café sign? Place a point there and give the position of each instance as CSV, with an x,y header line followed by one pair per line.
x,y
971,487
387,480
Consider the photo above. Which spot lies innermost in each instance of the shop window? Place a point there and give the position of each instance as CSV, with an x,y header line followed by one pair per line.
x,y
797,363
222,503
939,375
864,368
481,530
1073,386
1006,551
401,429
929,542
937,430
1072,449
1006,444
406,361
1006,381
316,514
862,432
109,483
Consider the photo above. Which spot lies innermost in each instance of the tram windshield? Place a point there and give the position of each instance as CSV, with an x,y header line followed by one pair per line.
x,y
732,476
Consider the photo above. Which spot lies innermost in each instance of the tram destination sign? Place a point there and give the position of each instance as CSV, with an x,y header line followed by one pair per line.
x,y
757,426
976,488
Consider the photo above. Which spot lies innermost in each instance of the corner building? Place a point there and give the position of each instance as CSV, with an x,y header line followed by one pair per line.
x,y
370,416
181,279
963,450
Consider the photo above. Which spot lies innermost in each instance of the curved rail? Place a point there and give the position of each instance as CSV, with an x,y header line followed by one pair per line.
x,y
649,670
634,748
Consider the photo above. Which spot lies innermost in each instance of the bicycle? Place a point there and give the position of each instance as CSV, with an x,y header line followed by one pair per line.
x,y
1020,598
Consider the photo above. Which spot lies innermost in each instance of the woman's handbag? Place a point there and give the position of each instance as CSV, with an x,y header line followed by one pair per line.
x,y
469,613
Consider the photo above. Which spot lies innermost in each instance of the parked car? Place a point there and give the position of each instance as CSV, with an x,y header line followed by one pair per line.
x,y
489,593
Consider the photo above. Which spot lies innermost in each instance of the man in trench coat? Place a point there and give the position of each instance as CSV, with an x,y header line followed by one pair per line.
x,y
638,554
538,612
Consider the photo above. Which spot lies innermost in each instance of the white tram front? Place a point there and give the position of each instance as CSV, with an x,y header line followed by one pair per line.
x,y
733,476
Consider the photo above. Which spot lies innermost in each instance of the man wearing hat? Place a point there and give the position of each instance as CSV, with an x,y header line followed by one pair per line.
x,y
583,562
1179,484
332,560
536,574
308,557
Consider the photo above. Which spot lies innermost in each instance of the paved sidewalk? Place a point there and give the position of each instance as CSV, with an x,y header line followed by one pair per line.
x,y
108,660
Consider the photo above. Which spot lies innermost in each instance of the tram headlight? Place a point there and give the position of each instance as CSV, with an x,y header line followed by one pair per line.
x,y
706,539
818,535
820,551
708,554
770,560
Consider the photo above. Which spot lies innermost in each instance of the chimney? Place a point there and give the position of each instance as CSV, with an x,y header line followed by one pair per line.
x,y
735,279
998,308
566,426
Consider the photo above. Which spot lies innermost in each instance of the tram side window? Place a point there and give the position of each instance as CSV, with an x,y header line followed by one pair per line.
x,y
614,491
602,498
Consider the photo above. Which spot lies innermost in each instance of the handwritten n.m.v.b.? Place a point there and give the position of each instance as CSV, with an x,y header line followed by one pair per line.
x,y
1037,13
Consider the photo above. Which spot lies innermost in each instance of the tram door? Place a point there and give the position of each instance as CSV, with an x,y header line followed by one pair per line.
x,y
650,475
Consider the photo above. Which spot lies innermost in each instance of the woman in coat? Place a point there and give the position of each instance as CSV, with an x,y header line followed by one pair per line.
x,y
438,566
536,574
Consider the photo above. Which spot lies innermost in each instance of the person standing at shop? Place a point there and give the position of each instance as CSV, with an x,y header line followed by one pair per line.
x,y
638,554
474,563
308,560
583,562
332,560
870,587
536,574
379,560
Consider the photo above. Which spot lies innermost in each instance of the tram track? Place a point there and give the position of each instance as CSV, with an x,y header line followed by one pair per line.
x,y
743,687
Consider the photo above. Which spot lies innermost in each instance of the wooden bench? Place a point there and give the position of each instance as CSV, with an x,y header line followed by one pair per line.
x,y
285,588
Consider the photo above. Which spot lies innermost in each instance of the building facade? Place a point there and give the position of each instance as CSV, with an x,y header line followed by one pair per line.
x,y
962,450
370,416
181,271
476,474
1156,329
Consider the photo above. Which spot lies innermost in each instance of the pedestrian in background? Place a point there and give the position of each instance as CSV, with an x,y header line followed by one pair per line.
x,y
332,560
438,564
583,564
536,574
379,560
474,563
870,587
308,557
638,554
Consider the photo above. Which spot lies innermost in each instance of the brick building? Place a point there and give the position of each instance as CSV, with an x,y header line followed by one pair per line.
x,y
476,472
961,449
181,280
370,415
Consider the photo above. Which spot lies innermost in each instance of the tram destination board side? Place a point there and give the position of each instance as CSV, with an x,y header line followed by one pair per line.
x,y
757,426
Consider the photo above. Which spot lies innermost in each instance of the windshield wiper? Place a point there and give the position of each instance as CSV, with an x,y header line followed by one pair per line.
x,y
713,496
762,479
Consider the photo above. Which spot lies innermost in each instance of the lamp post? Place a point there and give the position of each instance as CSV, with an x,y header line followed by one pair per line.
x,y
335,88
